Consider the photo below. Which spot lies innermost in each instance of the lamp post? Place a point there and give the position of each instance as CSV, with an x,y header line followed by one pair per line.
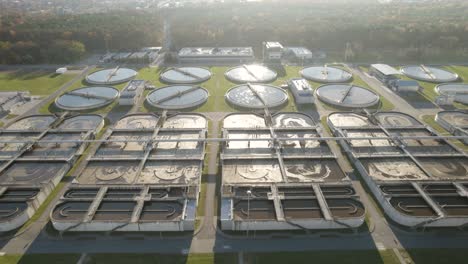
x,y
249,192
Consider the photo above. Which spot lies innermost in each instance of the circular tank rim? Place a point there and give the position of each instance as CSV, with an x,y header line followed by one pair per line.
x,y
441,115
202,80
26,117
343,105
414,77
326,81
110,82
437,90
196,104
87,108
401,113
284,101
270,80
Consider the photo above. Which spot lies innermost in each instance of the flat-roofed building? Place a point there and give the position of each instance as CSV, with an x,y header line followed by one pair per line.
x,y
404,85
272,51
384,73
298,53
302,91
216,55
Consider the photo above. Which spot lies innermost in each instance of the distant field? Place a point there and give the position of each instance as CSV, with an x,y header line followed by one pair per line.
x,y
36,82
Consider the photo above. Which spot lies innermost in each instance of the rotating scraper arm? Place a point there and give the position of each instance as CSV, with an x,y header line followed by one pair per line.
x,y
250,72
177,94
184,72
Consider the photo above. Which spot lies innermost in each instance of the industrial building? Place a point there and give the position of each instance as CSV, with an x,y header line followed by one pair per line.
x,y
301,54
404,86
419,180
456,122
272,52
144,176
302,91
130,94
278,175
220,55
32,164
384,73
390,77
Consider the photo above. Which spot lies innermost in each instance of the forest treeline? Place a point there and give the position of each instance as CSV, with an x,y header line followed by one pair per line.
x,y
431,30
51,38
406,31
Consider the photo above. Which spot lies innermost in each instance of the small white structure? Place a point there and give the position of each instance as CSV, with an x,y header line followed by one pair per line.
x,y
151,49
302,91
131,92
272,51
61,70
384,73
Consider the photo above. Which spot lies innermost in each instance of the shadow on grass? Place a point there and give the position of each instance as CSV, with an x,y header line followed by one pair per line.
x,y
322,257
433,256
49,258
279,69
418,101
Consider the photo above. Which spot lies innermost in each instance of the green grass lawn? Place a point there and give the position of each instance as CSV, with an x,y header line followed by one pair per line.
x,y
162,259
324,257
433,256
37,82
40,259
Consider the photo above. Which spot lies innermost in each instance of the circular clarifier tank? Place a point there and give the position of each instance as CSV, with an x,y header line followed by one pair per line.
x,y
178,97
251,74
326,74
185,75
111,76
429,74
36,122
460,90
256,96
347,95
87,98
